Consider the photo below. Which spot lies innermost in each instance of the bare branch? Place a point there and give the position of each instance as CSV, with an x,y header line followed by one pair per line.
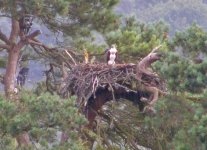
x,y
143,70
5,15
70,57
145,63
4,38
155,49
27,39
34,41
34,34
20,45
65,74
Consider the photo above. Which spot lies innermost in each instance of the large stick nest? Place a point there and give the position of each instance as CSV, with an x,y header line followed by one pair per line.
x,y
85,79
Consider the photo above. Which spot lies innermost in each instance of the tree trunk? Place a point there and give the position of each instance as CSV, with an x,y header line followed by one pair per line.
x,y
9,79
9,85
23,139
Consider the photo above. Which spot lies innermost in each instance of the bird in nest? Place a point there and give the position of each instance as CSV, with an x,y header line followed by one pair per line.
x,y
86,56
111,54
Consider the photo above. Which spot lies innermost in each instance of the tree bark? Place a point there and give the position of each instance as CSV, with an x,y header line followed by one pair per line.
x,y
14,44
23,139
13,56
143,68
145,63
9,79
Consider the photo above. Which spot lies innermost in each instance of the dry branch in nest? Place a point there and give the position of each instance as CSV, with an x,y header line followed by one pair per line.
x,y
85,79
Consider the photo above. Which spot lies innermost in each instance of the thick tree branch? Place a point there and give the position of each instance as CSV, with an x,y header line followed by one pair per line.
x,y
34,41
145,63
4,38
23,139
143,70
28,39
21,44
33,34
14,30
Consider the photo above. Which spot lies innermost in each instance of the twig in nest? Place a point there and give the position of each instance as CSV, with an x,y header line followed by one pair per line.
x,y
95,84
70,56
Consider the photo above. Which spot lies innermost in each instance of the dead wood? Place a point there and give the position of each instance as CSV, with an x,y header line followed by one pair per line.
x,y
143,67
143,70
85,79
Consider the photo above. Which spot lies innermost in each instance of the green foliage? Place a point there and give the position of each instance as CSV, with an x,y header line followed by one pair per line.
x,y
181,68
185,77
180,122
179,14
172,117
42,117
2,63
191,42
172,127
71,18
182,74
75,21
194,134
137,39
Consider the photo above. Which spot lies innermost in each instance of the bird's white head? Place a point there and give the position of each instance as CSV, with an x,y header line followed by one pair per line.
x,y
113,46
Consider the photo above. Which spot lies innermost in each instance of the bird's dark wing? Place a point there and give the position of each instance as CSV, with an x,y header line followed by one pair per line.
x,y
106,50
116,56
107,56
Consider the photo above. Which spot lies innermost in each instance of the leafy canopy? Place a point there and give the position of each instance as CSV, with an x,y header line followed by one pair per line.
x,y
42,117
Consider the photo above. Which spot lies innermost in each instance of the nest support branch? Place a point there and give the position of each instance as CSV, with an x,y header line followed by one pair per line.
x,y
85,79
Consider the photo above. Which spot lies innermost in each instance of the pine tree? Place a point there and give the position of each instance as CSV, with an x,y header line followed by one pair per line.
x,y
42,116
134,39
179,122
72,18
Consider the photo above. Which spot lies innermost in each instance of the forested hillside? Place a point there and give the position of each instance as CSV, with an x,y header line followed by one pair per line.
x,y
179,14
